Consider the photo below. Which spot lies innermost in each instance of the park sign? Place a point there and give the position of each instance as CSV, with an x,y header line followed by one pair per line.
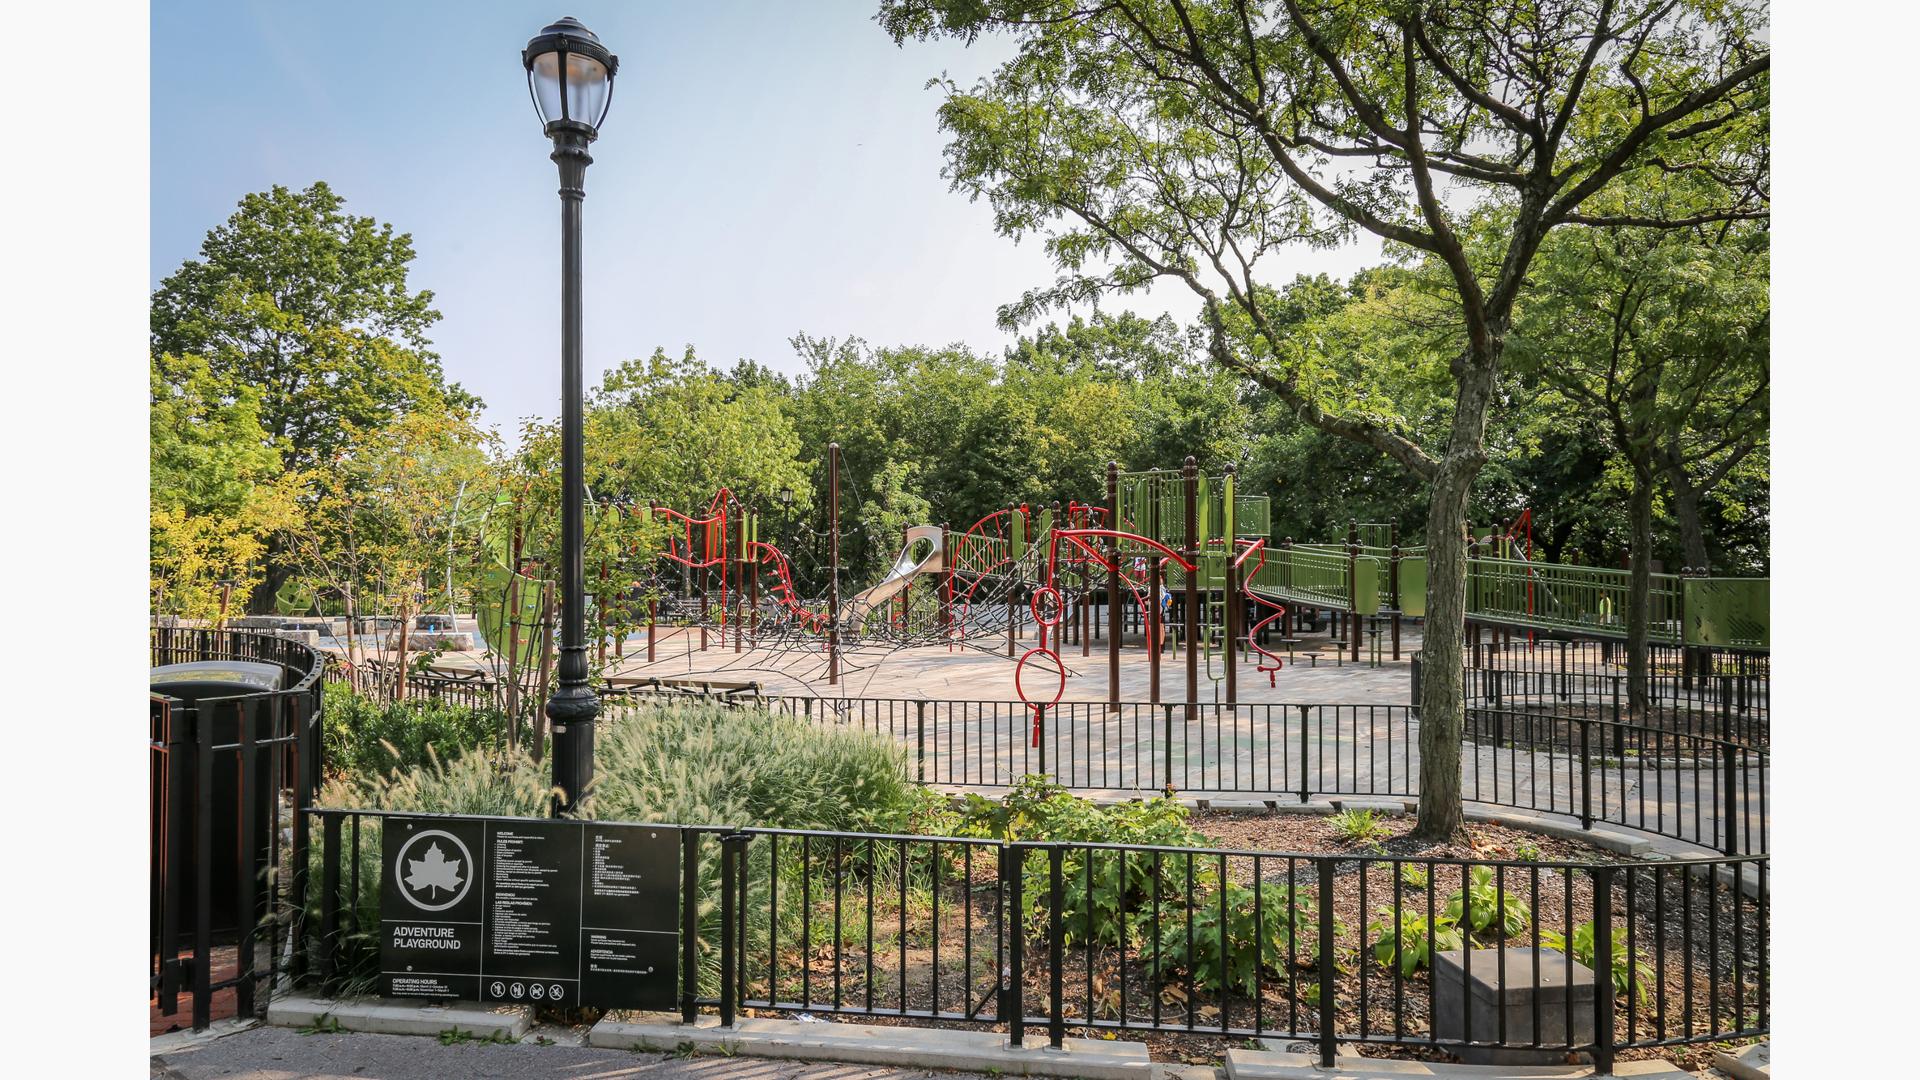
x,y
530,911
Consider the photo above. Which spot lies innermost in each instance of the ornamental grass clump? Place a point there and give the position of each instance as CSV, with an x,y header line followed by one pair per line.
x,y
710,765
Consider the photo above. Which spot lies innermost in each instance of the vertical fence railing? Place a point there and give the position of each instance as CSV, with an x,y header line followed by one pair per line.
x,y
1701,777
230,779
1060,937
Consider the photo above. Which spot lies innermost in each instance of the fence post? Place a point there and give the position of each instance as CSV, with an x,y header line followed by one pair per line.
x,y
689,923
1013,995
247,900
1586,773
1166,747
203,868
1729,784
729,902
1189,478
833,566
1328,1042
1305,787
920,738
329,899
1056,1014
1603,969
174,836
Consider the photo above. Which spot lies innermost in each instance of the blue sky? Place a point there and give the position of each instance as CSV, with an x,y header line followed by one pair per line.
x,y
767,168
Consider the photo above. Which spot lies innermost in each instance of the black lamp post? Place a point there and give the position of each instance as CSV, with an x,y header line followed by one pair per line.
x,y
570,75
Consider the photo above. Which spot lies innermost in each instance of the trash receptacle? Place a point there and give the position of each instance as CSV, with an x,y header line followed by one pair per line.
x,y
223,694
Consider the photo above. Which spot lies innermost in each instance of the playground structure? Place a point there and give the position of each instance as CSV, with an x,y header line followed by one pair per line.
x,y
1173,562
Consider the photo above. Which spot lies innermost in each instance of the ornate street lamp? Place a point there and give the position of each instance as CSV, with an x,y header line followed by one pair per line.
x,y
570,76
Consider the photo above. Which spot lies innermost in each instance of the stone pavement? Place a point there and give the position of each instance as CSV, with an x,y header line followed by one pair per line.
x,y
270,1053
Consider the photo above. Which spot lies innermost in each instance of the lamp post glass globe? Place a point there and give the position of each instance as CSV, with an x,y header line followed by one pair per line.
x,y
570,76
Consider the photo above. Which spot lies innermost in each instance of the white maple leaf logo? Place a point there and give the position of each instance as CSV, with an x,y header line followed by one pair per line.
x,y
433,872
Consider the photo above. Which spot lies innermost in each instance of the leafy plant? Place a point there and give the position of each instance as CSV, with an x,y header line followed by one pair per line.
x,y
363,737
1527,852
1286,920
1627,971
1485,903
1358,826
1414,875
1417,939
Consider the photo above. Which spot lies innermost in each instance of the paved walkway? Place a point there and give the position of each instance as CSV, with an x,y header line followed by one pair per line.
x,y
269,1053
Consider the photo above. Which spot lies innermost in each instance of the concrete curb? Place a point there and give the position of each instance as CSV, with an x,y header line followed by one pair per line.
x,y
938,1048
1747,1063
1619,843
1272,1065
174,1041
382,1016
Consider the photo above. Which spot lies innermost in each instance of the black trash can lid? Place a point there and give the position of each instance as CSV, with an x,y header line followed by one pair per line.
x,y
216,678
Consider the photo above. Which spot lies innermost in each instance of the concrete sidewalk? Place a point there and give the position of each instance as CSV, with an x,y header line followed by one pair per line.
x,y
270,1053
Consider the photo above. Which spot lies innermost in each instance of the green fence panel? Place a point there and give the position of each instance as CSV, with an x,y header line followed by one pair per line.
x,y
1366,585
1413,585
1731,612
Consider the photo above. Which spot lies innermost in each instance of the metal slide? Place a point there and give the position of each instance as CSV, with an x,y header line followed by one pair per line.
x,y
905,568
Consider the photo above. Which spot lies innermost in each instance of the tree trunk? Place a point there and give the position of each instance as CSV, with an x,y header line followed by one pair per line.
x,y
278,573
1686,508
1442,661
1639,587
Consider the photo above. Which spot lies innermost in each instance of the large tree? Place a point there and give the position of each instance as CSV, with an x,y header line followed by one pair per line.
x,y
309,308
1662,336
1187,139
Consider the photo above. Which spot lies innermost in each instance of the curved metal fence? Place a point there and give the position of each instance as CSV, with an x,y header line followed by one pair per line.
x,y
229,780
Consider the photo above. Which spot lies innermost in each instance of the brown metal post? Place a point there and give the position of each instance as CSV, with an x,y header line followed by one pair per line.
x,y
600,613
1151,622
653,625
752,569
833,564
1190,480
1113,587
1230,595
1353,590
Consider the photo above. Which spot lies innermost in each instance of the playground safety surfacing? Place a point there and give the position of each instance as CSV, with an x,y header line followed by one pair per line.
x,y
981,670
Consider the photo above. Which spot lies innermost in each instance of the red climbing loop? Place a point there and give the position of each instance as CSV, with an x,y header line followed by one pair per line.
x,y
1047,615
1040,707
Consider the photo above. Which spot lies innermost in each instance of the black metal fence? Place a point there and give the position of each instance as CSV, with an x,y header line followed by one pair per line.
x,y
229,779
1706,789
1236,944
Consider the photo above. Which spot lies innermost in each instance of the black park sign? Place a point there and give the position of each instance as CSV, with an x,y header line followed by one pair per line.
x,y
530,911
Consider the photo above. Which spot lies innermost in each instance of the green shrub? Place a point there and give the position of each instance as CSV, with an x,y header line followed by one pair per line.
x,y
1358,826
1417,939
1628,971
1286,919
364,737
1414,875
1482,899
1040,810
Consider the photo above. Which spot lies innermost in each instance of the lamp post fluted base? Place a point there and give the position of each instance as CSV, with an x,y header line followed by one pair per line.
x,y
571,712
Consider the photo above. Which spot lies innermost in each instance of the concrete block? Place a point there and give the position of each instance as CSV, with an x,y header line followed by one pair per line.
x,y
1747,1063
935,1048
1470,1003
392,1016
